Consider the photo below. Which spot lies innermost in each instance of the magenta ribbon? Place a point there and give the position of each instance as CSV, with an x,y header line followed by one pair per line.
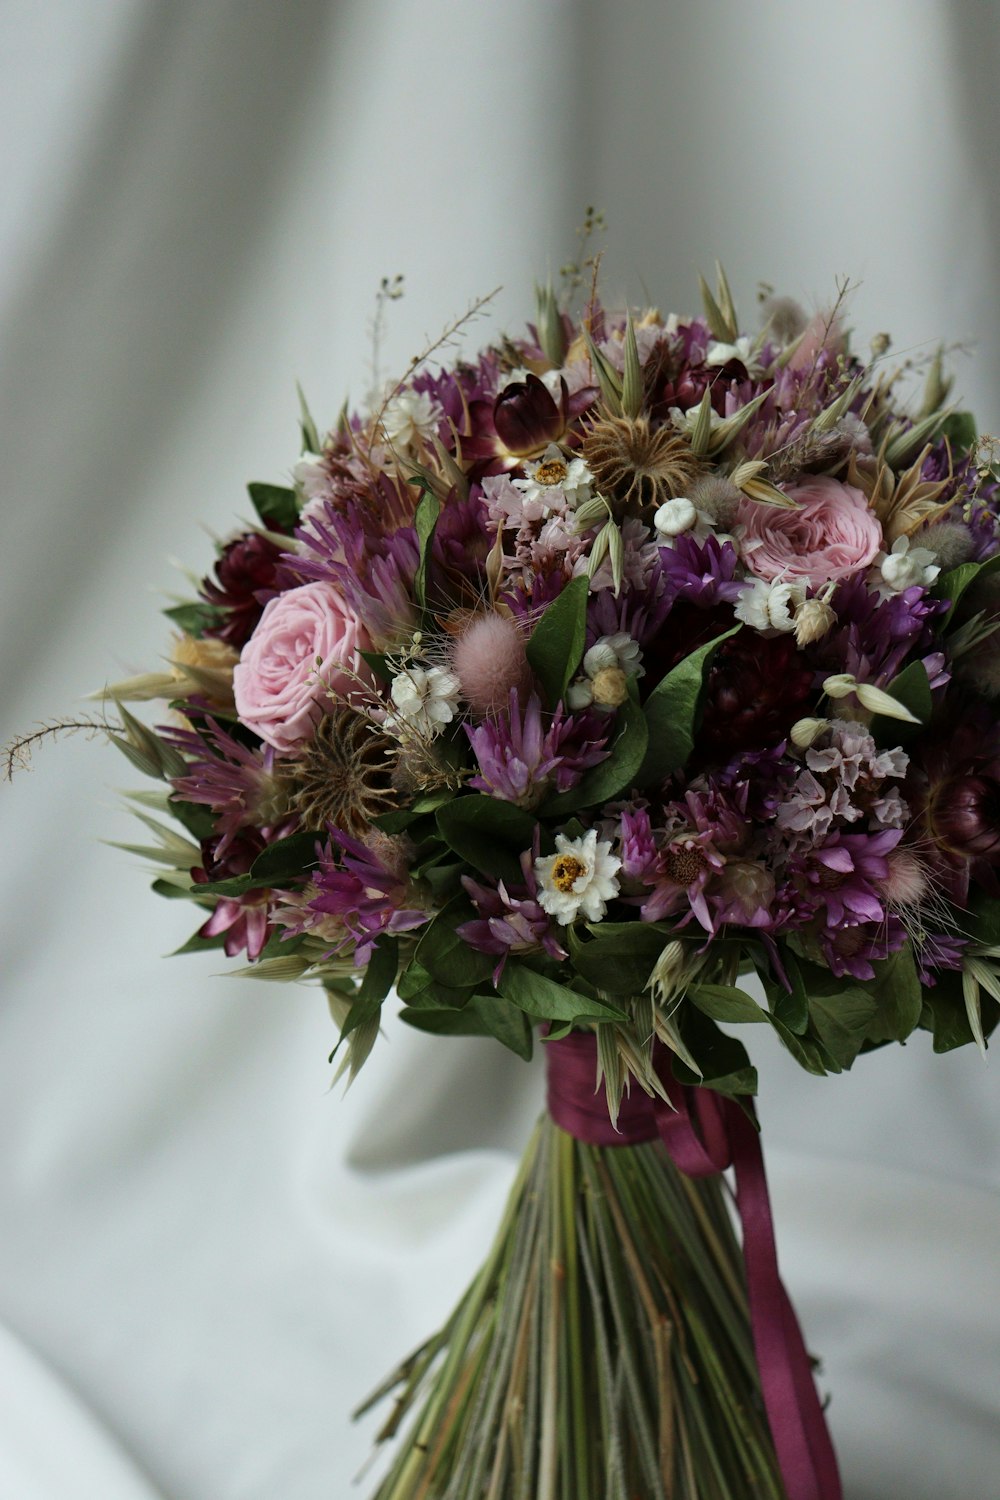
x,y
704,1134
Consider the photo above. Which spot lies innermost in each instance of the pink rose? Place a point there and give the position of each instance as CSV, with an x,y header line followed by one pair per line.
x,y
281,690
831,536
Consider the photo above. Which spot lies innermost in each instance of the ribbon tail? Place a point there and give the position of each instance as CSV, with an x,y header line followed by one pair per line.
x,y
798,1426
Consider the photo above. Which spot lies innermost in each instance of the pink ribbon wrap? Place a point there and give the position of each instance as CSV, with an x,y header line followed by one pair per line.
x,y
705,1134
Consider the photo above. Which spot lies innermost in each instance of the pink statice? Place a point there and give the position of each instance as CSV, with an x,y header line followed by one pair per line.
x,y
511,919
844,782
368,894
522,753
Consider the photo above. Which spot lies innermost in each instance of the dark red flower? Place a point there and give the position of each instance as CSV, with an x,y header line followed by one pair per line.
x,y
243,583
755,690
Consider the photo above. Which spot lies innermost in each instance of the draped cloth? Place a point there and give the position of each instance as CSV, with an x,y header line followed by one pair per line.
x,y
705,1134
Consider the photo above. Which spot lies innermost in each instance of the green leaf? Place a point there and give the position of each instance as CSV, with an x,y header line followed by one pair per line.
x,y
961,430
421,991
447,957
287,859
724,1002
899,994
721,1059
538,996
195,619
791,1008
841,1021
807,1052
196,818
487,833
378,980
506,1022
913,690
673,711
953,584
557,641
615,776
945,1015
618,962
378,663
424,521
467,1022
276,506
983,919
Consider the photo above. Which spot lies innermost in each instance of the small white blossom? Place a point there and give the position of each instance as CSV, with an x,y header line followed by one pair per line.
x,y
905,566
617,654
681,517
554,481
427,699
686,421
551,379
578,879
720,353
771,606
410,417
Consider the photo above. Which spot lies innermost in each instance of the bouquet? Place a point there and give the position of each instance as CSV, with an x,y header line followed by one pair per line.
x,y
622,686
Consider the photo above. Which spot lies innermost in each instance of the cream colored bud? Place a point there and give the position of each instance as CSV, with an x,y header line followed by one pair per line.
x,y
805,731
813,619
610,687
669,971
841,685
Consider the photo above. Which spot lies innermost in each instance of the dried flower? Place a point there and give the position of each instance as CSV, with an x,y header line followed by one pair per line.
x,y
578,878
637,467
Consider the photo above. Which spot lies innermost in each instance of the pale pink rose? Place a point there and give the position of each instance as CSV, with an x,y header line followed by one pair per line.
x,y
831,536
281,689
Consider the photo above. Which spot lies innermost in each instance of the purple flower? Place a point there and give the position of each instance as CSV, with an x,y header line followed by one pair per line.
x,y
852,950
700,573
368,895
245,920
843,876
874,636
938,951
521,759
228,777
511,919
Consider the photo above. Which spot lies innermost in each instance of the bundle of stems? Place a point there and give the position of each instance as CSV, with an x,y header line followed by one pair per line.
x,y
603,1352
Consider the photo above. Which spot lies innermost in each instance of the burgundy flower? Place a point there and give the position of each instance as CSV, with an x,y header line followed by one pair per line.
x,y
245,919
523,420
755,690
244,581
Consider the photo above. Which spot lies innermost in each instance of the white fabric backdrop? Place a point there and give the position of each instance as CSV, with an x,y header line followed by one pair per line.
x,y
205,1257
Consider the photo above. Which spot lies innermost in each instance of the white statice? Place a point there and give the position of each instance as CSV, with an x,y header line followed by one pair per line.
x,y
771,606
579,879
426,699
554,482
905,566
410,417
607,666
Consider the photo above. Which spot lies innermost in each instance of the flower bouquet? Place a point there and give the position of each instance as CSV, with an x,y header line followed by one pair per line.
x,y
624,685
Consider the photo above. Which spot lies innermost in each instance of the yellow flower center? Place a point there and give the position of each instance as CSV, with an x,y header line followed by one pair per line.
x,y
566,871
552,471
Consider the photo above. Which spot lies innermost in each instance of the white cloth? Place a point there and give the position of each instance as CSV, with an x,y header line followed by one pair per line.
x,y
215,1254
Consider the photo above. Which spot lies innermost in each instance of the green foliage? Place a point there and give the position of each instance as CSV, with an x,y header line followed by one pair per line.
x,y
539,996
673,711
424,521
913,690
281,863
724,1002
557,641
722,1060
194,618
618,958
378,980
276,506
506,1021
898,994
961,430
953,584
487,833
447,957
421,991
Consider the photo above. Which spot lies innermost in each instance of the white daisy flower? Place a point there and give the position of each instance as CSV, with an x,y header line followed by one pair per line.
x,y
720,354
427,699
555,481
409,418
681,517
578,879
